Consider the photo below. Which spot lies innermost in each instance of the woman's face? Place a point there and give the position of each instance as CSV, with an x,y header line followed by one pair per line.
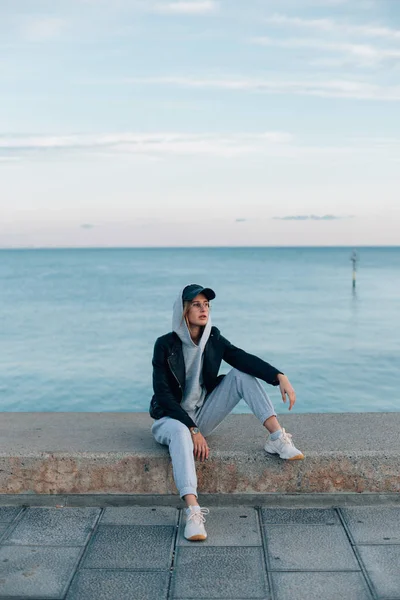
x,y
199,311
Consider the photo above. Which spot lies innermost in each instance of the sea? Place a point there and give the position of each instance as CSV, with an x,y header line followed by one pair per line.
x,y
78,326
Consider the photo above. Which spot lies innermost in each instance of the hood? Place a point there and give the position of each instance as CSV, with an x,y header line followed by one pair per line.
x,y
181,329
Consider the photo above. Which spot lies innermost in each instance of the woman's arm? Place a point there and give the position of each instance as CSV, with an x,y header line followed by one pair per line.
x,y
249,363
286,388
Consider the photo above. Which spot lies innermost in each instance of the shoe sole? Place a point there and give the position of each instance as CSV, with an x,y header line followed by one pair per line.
x,y
297,457
197,538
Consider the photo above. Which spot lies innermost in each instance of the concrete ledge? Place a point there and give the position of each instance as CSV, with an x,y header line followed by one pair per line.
x,y
115,453
172,500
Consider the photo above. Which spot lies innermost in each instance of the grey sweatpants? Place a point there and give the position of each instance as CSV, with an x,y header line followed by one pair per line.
x,y
174,434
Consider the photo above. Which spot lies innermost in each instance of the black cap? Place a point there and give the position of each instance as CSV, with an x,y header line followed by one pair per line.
x,y
193,289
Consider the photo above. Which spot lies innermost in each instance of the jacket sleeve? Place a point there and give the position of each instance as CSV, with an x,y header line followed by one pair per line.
x,y
164,396
248,363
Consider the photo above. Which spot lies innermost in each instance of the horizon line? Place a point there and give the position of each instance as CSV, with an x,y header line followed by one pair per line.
x,y
7,248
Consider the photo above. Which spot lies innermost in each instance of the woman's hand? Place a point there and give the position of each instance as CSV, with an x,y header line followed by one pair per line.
x,y
286,388
200,449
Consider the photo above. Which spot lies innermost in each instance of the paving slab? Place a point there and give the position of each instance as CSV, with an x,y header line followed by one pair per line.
x,y
130,547
219,573
36,571
228,526
308,516
54,526
309,548
376,525
140,515
119,585
9,513
139,552
383,566
318,586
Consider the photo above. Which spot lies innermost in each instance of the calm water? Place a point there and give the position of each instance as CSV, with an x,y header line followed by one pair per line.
x,y
77,327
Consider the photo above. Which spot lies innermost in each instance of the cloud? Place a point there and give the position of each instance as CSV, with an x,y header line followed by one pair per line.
x,y
186,8
158,144
8,159
87,226
361,53
312,218
330,25
331,88
42,29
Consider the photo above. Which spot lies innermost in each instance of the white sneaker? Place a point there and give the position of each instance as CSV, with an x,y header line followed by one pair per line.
x,y
194,529
284,447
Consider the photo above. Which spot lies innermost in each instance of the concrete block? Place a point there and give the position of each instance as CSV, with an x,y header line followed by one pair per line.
x,y
115,453
377,525
140,515
54,526
119,585
228,526
219,573
383,566
309,548
315,586
36,571
309,516
8,513
130,547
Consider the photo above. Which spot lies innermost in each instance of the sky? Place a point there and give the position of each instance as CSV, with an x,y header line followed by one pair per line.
x,y
199,123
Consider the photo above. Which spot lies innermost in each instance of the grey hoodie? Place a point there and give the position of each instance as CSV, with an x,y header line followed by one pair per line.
x,y
194,392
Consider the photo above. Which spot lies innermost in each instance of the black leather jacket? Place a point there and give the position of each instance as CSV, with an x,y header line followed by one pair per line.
x,y
169,372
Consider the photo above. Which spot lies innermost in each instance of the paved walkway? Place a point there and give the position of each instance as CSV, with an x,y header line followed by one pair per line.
x,y
132,553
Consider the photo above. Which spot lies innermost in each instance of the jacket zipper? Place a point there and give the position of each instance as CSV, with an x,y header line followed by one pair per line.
x,y
173,373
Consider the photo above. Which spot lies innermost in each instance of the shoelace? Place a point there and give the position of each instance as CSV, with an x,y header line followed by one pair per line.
x,y
198,515
286,438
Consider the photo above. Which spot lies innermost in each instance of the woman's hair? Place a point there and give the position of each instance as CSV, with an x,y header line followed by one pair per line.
x,y
186,307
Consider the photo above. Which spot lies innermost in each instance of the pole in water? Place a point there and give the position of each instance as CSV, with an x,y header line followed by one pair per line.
x,y
354,259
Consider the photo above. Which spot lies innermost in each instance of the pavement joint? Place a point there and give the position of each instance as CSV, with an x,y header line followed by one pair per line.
x,y
82,554
268,572
364,571
179,524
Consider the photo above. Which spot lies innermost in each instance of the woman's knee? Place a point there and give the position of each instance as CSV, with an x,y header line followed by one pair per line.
x,y
241,376
181,435
166,430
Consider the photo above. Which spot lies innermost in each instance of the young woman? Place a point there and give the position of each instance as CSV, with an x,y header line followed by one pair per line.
x,y
190,399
